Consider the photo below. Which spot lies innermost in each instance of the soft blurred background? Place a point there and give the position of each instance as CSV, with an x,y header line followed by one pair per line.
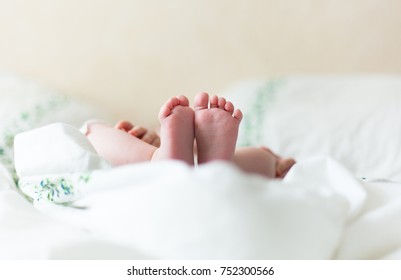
x,y
129,56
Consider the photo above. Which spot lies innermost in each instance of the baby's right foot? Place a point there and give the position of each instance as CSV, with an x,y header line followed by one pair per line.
x,y
176,131
283,165
216,128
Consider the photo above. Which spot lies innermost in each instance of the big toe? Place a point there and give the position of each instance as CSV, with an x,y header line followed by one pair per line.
x,y
167,108
183,100
201,101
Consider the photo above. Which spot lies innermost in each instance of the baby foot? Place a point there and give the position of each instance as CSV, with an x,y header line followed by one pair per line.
x,y
177,131
148,136
283,165
216,128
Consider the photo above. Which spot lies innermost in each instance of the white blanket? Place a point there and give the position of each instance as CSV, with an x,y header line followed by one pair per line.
x,y
168,210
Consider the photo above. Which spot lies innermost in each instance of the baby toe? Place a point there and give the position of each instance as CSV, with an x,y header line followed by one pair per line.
x,y
201,101
124,125
183,100
238,114
229,107
214,100
222,102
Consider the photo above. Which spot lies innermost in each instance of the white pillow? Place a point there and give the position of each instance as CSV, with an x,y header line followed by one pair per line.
x,y
53,149
53,162
25,105
354,119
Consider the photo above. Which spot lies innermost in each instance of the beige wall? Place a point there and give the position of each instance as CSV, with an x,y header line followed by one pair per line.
x,y
131,55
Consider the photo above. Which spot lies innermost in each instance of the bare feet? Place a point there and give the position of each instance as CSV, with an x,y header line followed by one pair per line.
x,y
177,131
283,165
140,132
216,128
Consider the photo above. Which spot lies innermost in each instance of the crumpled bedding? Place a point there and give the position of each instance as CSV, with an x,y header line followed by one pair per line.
x,y
167,210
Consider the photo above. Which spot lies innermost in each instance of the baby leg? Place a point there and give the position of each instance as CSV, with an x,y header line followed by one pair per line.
x,y
117,146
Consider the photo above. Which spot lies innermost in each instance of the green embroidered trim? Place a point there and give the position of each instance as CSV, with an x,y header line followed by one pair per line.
x,y
53,187
25,121
56,189
253,123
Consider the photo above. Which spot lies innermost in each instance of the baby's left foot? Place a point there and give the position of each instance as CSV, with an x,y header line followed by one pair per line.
x,y
176,131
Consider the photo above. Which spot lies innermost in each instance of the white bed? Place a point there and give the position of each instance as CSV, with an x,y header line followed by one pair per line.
x,y
341,200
